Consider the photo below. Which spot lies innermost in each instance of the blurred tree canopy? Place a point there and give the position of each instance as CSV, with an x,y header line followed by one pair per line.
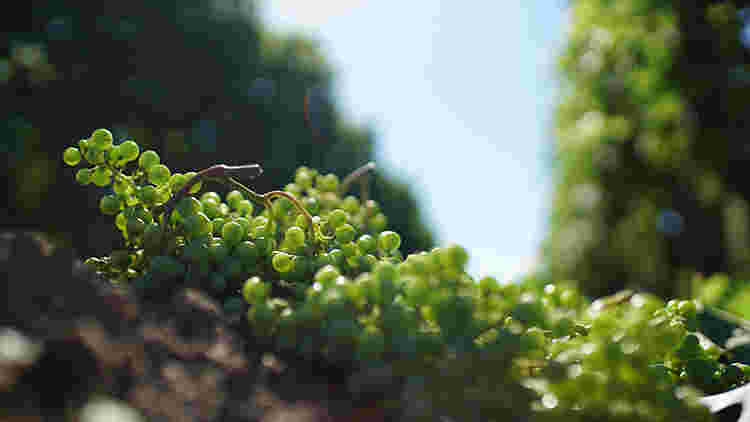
x,y
652,146
200,81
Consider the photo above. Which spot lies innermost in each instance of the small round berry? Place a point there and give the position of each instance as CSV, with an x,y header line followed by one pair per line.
x,y
72,156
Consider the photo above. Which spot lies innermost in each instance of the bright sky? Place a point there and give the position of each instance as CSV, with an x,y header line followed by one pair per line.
x,y
461,99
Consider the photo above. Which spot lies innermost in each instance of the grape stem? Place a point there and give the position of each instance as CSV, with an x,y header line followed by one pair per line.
x,y
223,174
358,174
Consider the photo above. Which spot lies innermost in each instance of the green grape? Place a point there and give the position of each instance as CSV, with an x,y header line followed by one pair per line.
x,y
233,199
255,290
350,204
198,225
210,208
327,275
345,233
102,138
121,221
303,179
218,224
158,174
294,189
110,205
245,207
337,257
211,195
687,308
148,194
197,186
350,250
83,145
245,223
301,221
122,186
83,176
282,262
233,233
295,236
371,208
329,182
378,222
389,241
72,156
337,217
177,181
246,251
367,244
454,256
148,159
385,271
129,150
312,205
188,206
101,176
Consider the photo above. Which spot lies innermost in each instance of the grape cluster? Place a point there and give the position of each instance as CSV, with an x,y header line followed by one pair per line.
x,y
315,272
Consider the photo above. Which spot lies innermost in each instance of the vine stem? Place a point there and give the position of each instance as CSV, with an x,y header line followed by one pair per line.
x,y
353,176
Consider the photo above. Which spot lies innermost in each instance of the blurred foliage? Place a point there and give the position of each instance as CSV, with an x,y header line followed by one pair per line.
x,y
200,80
652,152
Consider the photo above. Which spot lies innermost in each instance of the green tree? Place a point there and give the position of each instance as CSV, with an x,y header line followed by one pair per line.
x,y
651,146
200,80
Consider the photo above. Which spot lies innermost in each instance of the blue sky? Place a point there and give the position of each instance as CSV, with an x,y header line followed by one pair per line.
x,y
464,114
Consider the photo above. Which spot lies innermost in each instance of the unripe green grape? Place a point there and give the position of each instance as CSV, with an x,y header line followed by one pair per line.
x,y
245,223
329,182
101,176
110,205
246,251
303,179
245,207
198,225
350,204
72,156
102,138
148,194
233,199
255,290
367,243
301,221
232,233
337,257
83,145
327,275
378,222
95,155
224,210
188,206
687,308
129,150
350,250
83,176
389,241
345,233
158,174
454,256
148,159
295,236
114,157
311,204
162,194
218,224
259,226
210,207
177,181
212,195
122,187
197,186
121,221
282,262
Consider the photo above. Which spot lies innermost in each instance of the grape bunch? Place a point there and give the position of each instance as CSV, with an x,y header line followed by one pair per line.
x,y
311,271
